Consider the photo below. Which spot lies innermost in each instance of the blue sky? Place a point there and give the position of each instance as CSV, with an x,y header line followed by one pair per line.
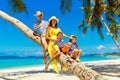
x,y
11,39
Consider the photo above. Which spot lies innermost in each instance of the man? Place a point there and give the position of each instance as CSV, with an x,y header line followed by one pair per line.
x,y
41,25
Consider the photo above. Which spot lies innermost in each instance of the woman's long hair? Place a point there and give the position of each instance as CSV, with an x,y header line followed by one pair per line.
x,y
50,24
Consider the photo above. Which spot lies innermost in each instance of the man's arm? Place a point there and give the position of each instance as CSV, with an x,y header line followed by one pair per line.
x,y
35,28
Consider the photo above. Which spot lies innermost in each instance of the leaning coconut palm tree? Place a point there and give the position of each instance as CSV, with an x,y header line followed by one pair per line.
x,y
77,68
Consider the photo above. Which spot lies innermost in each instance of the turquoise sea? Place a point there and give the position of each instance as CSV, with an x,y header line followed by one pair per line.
x,y
17,61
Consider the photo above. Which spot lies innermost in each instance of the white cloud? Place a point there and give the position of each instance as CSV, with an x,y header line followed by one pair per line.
x,y
100,47
113,48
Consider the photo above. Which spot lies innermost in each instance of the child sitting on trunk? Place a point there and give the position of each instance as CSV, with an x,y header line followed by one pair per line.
x,y
59,49
63,47
73,51
71,48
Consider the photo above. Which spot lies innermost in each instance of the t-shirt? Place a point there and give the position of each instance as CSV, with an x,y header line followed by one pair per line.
x,y
73,46
60,43
41,26
63,47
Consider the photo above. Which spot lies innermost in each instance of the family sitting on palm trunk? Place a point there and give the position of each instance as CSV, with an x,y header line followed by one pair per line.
x,y
54,44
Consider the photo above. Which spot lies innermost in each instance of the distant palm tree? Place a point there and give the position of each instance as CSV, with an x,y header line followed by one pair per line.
x,y
94,10
94,17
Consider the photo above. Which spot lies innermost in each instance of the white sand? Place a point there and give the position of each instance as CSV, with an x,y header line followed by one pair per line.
x,y
108,68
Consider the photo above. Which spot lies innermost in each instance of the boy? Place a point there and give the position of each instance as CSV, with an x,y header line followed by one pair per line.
x,y
60,44
63,47
74,52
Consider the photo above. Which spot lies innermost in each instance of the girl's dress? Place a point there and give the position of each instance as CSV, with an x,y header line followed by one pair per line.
x,y
53,34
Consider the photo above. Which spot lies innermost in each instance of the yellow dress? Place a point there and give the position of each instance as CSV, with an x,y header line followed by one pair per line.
x,y
53,34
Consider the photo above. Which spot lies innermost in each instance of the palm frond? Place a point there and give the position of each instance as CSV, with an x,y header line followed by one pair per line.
x,y
87,7
110,18
65,6
98,9
84,30
85,24
114,30
97,24
17,6
113,7
118,25
100,1
81,25
100,33
113,11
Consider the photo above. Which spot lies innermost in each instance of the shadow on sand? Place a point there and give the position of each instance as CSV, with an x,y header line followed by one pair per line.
x,y
107,70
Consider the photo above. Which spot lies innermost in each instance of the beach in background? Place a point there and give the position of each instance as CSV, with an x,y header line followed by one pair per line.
x,y
32,67
21,58
108,68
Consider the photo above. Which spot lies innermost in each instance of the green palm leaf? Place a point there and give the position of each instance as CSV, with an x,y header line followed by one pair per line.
x,y
65,6
87,7
17,6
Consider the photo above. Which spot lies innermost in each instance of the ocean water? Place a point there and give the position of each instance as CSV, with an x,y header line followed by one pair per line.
x,y
17,62
25,62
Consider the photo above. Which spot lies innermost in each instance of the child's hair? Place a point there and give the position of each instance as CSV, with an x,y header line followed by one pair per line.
x,y
75,42
59,33
72,37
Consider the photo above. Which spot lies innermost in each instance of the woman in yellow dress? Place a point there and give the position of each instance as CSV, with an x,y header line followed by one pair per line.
x,y
51,35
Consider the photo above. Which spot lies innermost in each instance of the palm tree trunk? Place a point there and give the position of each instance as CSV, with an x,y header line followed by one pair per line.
x,y
21,26
79,69
115,41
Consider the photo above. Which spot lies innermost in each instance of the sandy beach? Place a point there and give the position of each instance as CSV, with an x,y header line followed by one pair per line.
x,y
108,68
